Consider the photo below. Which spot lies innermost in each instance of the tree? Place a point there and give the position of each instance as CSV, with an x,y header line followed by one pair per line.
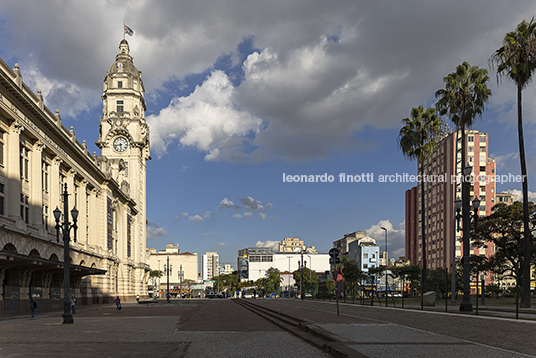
x,y
410,274
505,229
273,280
154,276
517,59
463,100
417,140
352,274
310,278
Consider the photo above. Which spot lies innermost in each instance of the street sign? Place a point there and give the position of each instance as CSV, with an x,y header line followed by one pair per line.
x,y
334,252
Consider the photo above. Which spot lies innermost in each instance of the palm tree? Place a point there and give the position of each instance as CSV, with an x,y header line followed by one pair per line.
x,y
463,100
517,60
417,139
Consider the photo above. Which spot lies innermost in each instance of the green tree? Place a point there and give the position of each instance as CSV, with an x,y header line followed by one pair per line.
x,y
516,58
352,274
463,100
273,280
410,274
154,275
417,140
310,278
504,228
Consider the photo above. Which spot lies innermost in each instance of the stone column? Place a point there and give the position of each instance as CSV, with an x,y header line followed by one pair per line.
x,y
36,185
13,187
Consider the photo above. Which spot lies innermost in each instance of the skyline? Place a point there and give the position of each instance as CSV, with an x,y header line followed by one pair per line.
x,y
240,96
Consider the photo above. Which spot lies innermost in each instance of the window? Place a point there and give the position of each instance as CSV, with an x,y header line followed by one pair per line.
x,y
471,149
45,216
1,148
119,106
365,255
119,84
482,139
2,199
24,162
482,149
46,171
24,208
470,138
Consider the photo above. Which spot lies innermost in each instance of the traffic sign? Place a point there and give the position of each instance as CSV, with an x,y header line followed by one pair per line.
x,y
334,252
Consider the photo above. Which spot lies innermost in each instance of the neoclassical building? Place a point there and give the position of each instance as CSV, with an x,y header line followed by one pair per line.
x,y
38,156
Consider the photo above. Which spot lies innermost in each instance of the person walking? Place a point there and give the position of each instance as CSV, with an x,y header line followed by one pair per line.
x,y
138,298
73,304
33,306
117,304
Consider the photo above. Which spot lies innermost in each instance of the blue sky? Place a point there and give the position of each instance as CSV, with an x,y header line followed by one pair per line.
x,y
240,92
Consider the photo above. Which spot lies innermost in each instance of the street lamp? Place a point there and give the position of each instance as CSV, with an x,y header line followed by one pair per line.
x,y
310,272
384,229
168,269
457,218
466,305
67,226
181,276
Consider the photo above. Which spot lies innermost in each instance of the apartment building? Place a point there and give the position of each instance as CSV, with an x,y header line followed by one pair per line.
x,y
443,240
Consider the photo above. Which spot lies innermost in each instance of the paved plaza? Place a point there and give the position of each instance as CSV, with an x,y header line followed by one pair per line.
x,y
222,328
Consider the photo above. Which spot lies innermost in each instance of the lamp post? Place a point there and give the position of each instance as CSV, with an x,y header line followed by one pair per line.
x,y
181,276
168,269
384,229
466,305
457,218
476,207
310,272
288,283
301,277
67,226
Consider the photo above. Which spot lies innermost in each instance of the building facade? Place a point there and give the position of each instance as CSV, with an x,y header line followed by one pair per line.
x,y
210,265
443,240
343,244
39,157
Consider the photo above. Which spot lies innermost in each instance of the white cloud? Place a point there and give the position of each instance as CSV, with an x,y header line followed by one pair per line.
x,y
208,119
262,215
195,218
251,204
237,216
207,214
274,245
519,194
228,204
248,214
154,231
396,237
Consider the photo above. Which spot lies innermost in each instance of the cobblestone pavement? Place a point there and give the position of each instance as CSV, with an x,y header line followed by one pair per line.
x,y
380,331
196,328
222,328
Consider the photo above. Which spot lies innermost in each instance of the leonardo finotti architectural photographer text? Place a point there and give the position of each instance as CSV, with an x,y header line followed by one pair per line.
x,y
399,178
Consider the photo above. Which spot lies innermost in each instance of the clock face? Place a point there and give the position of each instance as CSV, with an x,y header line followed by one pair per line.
x,y
120,144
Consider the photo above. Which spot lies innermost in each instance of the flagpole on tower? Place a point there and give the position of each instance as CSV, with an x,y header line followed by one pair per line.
x,y
124,29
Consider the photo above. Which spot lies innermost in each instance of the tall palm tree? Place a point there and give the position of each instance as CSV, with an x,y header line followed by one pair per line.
x,y
417,139
517,59
463,100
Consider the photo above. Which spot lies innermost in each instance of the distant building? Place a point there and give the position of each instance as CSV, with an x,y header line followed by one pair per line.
x,y
185,262
506,198
254,262
209,265
343,244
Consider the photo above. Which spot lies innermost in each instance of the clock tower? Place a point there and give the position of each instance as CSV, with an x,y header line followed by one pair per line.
x,y
124,143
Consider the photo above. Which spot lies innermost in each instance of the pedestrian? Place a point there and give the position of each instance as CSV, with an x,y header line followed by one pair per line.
x,y
138,298
98,299
33,306
73,305
117,304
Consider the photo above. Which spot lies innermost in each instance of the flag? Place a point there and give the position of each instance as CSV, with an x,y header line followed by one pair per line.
x,y
128,31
